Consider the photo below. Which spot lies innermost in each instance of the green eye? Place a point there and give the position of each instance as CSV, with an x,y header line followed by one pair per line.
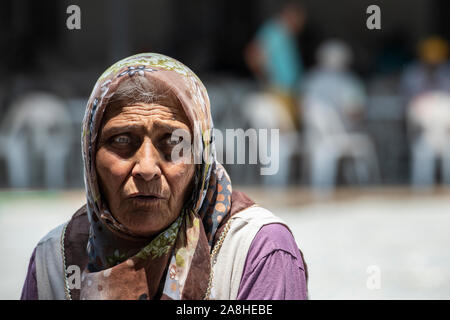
x,y
174,141
122,140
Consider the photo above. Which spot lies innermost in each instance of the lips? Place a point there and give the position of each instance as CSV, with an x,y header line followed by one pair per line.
x,y
146,197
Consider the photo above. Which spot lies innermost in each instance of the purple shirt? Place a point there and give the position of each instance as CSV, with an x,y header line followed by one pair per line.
x,y
273,270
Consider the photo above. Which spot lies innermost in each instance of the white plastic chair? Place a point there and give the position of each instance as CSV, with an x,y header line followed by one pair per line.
x,y
430,112
327,142
265,111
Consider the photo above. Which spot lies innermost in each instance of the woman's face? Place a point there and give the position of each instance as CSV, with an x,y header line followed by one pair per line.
x,y
144,189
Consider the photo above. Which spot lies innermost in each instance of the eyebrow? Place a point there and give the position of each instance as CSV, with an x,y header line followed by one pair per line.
x,y
168,127
116,129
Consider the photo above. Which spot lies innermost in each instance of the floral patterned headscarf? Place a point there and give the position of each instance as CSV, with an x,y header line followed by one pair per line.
x,y
175,264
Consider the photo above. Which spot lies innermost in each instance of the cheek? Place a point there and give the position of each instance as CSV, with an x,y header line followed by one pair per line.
x,y
179,177
111,169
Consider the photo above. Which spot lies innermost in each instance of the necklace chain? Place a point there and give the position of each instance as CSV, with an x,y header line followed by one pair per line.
x,y
213,258
63,253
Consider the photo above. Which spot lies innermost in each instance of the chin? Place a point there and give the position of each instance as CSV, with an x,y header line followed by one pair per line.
x,y
147,204
146,221
145,226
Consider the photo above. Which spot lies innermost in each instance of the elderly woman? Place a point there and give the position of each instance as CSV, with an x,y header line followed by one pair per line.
x,y
158,224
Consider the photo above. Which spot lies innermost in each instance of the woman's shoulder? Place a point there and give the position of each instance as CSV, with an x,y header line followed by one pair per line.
x,y
271,239
55,234
256,216
65,235
268,231
245,209
245,226
58,248
249,219
274,267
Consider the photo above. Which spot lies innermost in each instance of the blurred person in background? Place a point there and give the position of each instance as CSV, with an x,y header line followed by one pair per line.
x,y
334,104
36,130
425,87
274,57
333,82
155,227
430,72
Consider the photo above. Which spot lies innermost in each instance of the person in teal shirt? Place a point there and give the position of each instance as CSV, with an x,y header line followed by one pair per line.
x,y
283,63
274,57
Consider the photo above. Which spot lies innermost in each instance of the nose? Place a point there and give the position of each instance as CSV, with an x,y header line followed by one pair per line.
x,y
146,162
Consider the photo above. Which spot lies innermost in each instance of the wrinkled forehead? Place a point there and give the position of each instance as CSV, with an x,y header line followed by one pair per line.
x,y
146,96
140,113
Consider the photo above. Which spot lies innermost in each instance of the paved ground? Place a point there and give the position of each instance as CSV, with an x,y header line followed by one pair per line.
x,y
353,243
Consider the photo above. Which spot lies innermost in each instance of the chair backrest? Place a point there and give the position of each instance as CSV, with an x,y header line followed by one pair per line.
x,y
431,112
263,110
322,119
